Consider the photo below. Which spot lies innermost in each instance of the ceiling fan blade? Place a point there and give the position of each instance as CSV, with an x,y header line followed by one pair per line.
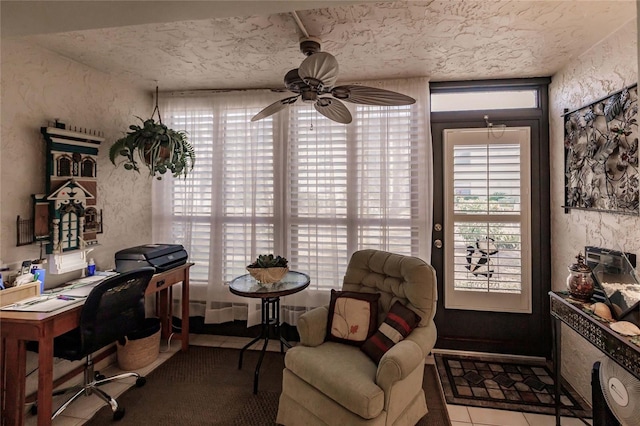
x,y
333,109
274,107
371,96
319,69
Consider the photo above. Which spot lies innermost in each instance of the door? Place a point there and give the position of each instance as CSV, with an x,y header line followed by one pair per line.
x,y
491,237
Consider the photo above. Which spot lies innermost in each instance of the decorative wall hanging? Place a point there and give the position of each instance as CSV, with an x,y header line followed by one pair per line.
x,y
601,154
65,217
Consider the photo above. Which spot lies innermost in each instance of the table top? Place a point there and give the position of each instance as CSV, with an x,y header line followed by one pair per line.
x,y
247,286
624,350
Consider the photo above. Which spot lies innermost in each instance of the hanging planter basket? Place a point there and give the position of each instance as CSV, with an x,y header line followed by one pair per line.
x,y
158,147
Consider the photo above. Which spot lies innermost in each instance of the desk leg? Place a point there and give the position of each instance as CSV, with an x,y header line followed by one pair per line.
x,y
3,385
15,355
185,312
45,379
163,313
557,364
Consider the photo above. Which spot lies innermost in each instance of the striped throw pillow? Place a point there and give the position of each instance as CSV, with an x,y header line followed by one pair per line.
x,y
400,321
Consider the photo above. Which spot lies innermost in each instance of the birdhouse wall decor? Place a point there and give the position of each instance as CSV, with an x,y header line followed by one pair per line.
x,y
66,215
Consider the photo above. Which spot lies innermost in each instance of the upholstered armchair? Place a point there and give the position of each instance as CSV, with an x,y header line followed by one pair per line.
x,y
333,383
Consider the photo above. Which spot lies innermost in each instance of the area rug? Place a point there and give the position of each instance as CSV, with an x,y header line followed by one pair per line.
x,y
480,381
204,387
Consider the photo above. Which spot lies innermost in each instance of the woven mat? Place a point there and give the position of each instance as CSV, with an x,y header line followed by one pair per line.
x,y
204,387
507,385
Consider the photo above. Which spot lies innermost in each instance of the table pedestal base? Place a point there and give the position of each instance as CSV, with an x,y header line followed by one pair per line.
x,y
270,317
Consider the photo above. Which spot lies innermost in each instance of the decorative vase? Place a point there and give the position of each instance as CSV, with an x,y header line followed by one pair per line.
x,y
268,276
580,282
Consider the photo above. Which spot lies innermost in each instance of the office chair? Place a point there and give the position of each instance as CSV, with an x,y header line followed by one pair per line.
x,y
113,309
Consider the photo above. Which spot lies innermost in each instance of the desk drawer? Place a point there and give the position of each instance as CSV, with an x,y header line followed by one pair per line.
x,y
165,280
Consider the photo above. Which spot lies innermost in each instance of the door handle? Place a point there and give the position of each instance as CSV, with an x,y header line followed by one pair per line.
x,y
438,243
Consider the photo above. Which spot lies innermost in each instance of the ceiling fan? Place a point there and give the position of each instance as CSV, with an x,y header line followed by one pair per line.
x,y
314,82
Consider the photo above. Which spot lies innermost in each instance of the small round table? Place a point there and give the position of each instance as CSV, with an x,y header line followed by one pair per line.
x,y
247,286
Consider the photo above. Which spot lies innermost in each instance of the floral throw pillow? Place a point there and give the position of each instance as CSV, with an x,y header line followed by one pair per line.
x,y
397,325
352,316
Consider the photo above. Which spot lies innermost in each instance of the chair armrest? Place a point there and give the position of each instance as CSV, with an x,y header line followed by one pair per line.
x,y
312,326
398,362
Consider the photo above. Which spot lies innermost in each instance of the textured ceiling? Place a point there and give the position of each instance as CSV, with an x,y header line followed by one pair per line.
x,y
444,40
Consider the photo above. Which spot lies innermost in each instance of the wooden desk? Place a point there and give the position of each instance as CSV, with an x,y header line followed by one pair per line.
x,y
16,328
617,347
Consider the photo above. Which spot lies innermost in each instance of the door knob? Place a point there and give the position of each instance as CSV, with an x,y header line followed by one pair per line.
x,y
438,243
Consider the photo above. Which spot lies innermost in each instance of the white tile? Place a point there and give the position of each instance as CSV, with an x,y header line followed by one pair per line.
x,y
236,342
487,416
61,420
540,419
458,413
207,340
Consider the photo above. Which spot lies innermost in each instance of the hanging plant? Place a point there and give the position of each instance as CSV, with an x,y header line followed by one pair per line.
x,y
155,145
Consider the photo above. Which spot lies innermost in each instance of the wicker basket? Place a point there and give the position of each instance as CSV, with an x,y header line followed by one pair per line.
x,y
268,275
138,353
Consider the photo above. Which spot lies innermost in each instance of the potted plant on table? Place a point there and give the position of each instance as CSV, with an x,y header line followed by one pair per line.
x,y
160,148
268,269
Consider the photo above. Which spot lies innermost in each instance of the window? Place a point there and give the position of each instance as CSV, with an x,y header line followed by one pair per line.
x,y
64,166
88,167
484,100
298,185
487,205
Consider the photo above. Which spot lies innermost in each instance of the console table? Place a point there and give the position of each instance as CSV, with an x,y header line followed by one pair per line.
x,y
616,346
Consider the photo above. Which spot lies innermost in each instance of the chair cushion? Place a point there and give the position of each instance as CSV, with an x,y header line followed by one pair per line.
x,y
341,372
397,325
353,316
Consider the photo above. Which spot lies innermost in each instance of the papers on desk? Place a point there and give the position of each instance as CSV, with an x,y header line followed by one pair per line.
x,y
75,291
44,303
80,287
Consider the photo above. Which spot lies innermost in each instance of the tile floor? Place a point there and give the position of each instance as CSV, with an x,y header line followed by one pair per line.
x,y
80,411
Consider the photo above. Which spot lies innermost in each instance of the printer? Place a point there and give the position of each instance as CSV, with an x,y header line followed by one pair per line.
x,y
160,256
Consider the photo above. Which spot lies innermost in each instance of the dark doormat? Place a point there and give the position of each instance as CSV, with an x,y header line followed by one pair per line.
x,y
486,382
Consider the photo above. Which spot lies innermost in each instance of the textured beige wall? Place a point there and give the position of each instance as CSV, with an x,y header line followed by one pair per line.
x,y
606,67
39,86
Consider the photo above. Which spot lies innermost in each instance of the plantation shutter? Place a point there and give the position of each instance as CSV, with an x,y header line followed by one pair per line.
x,y
487,196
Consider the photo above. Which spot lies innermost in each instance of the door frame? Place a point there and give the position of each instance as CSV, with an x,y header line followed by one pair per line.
x,y
458,329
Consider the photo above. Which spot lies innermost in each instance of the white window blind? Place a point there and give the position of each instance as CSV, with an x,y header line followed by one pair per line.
x,y
487,205
295,184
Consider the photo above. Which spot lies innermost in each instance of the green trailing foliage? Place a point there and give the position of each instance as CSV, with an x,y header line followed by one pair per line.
x,y
160,148
269,261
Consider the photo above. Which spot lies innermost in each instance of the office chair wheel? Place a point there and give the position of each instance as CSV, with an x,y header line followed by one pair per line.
x,y
99,376
34,409
118,414
140,381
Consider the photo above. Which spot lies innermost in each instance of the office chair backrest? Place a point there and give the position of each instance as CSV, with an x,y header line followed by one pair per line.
x,y
113,309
